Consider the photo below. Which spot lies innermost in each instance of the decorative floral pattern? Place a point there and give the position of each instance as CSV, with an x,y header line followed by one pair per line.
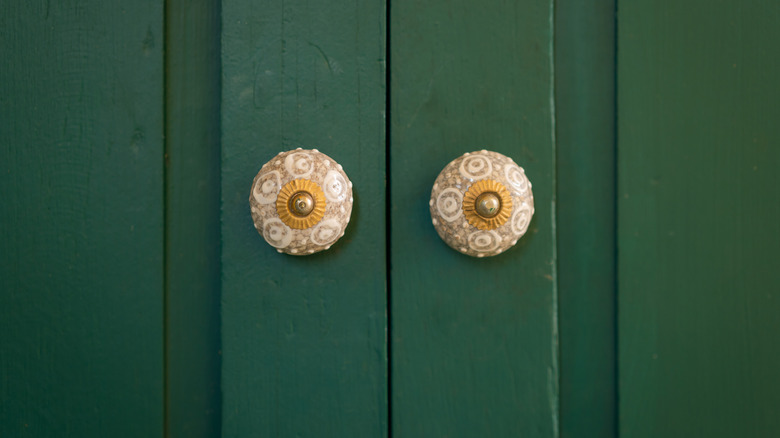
x,y
484,241
335,186
521,219
515,176
267,187
301,164
447,203
476,166
326,232
277,234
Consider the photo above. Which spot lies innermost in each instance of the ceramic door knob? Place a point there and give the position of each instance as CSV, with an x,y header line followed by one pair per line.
x,y
481,203
301,201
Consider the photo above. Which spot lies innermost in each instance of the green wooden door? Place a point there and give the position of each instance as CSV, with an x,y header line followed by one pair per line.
x,y
389,333
473,341
303,338
81,219
109,264
136,298
698,218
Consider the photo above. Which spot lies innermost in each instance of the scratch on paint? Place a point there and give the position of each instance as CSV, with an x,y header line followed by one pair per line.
x,y
552,397
148,42
333,66
422,103
553,371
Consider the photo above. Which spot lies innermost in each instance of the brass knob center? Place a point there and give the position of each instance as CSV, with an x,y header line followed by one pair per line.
x,y
301,204
488,205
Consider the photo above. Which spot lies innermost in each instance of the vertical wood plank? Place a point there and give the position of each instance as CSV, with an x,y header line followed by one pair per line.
x,y
474,341
81,219
304,349
585,138
699,218
192,271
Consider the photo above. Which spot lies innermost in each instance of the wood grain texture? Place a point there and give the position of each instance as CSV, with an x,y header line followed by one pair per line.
x,y
81,220
304,349
474,348
699,215
585,138
192,276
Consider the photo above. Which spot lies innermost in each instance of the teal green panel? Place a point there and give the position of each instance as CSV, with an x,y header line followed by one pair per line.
x,y
585,137
474,347
303,338
192,274
699,218
81,219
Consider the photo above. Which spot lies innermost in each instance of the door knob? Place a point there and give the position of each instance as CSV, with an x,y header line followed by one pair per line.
x,y
301,201
481,203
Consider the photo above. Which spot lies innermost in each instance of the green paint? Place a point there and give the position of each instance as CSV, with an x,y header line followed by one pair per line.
x,y
303,338
699,218
192,218
469,360
99,248
585,136
81,222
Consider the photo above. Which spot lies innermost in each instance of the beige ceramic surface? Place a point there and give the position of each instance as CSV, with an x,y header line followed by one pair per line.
x,y
301,164
447,203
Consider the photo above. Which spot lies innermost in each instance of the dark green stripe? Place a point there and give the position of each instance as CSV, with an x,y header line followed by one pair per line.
x,y
192,68
585,130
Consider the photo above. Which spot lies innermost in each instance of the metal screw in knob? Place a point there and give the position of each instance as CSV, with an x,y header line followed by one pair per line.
x,y
301,204
488,205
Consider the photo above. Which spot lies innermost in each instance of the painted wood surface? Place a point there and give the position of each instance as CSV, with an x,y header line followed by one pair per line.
x,y
699,218
192,274
585,142
304,338
81,219
474,341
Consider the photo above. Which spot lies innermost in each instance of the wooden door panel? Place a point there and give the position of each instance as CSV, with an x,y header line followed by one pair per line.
x,y
192,217
699,208
585,216
81,219
304,338
473,341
